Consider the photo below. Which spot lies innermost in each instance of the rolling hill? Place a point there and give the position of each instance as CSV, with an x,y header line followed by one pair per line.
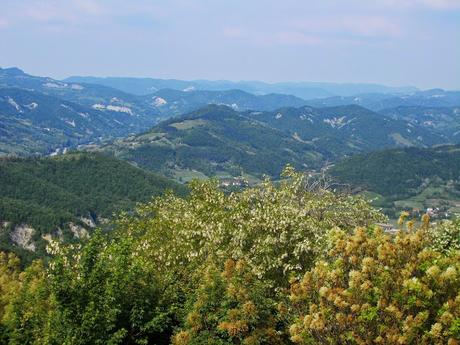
x,y
378,101
444,120
175,102
216,140
40,114
32,122
344,130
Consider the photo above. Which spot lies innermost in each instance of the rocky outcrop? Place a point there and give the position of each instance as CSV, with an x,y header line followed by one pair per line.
x,y
89,221
22,235
78,231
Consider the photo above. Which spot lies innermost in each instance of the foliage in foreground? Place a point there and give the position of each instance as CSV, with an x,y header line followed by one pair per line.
x,y
231,306
278,230
379,289
269,265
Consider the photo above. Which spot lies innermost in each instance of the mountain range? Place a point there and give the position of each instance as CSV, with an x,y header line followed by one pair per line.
x,y
142,142
217,140
348,129
306,90
378,101
42,115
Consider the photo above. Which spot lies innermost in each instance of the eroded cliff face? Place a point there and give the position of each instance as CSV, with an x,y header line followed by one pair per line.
x,y
22,235
78,231
26,237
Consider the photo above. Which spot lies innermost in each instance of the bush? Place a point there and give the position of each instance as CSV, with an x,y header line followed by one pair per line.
x,y
278,231
230,307
376,288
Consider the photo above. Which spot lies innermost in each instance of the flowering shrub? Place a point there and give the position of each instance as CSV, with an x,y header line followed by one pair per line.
x,y
446,236
376,288
278,230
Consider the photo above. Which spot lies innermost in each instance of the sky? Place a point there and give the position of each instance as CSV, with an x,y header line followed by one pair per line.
x,y
392,42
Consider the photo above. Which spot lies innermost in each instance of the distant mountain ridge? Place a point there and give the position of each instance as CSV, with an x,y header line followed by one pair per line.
x,y
377,101
348,129
32,122
305,90
176,102
444,120
40,114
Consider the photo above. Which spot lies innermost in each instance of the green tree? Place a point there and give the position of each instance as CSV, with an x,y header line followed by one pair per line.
x,y
101,294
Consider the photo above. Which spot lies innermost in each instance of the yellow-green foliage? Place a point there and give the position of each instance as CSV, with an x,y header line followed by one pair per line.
x,y
9,279
230,307
24,303
375,288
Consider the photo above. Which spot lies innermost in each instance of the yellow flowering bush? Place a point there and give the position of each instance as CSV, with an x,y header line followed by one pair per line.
x,y
376,288
231,306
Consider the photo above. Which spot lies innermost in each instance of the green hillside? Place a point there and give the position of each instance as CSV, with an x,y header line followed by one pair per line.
x,y
47,194
348,129
216,140
410,178
32,122
175,102
444,120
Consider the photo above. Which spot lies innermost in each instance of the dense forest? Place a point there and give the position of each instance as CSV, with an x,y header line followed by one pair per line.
x,y
49,193
284,263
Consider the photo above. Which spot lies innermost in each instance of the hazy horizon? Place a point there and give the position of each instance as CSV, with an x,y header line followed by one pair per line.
x,y
388,42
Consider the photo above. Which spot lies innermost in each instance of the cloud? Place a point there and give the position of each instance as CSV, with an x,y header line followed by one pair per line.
x,y
90,7
296,38
433,4
3,23
361,26
235,32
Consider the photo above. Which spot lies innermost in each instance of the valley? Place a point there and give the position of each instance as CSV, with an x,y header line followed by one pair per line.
x,y
229,172
94,147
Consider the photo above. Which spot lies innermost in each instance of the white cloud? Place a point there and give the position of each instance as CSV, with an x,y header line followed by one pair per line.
x,y
296,38
235,32
363,26
434,4
3,23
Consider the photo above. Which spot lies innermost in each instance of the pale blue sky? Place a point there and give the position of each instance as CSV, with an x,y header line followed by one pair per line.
x,y
394,42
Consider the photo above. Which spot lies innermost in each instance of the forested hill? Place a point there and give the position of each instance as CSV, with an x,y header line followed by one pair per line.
x,y
348,129
399,171
410,179
71,192
216,141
